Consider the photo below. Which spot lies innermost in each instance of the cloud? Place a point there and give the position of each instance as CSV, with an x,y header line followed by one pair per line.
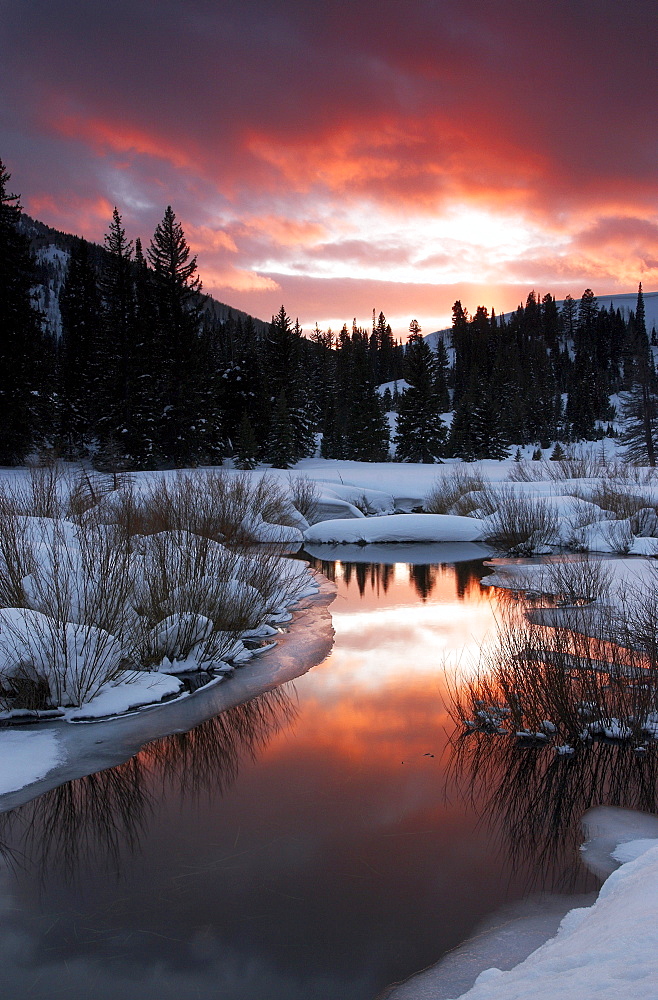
x,y
286,125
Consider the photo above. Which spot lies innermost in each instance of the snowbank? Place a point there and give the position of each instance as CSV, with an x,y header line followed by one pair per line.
x,y
400,528
27,757
608,951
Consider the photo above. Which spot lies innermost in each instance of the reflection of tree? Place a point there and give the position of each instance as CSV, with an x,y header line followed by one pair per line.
x,y
539,797
467,576
98,817
423,578
377,575
207,759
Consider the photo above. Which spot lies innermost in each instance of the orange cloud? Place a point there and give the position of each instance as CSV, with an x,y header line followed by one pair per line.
x,y
104,135
86,217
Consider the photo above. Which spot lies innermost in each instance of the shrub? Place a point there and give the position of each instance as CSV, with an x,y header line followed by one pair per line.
x,y
449,490
517,522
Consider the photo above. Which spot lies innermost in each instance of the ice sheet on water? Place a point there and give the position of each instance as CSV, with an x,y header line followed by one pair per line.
x,y
606,828
503,940
27,756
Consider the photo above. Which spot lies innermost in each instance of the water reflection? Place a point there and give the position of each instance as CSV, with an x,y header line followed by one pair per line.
x,y
99,818
537,798
377,577
331,867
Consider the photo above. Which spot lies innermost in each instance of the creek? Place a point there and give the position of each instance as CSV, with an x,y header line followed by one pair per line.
x,y
315,843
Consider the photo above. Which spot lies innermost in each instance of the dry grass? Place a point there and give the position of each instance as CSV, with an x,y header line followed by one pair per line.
x,y
449,492
518,523
304,495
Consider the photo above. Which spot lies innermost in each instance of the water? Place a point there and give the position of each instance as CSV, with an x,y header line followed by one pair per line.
x,y
313,844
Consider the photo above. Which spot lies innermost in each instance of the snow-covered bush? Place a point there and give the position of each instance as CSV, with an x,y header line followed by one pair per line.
x,y
450,490
517,522
86,598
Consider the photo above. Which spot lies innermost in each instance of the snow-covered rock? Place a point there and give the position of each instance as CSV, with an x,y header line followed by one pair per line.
x,y
398,528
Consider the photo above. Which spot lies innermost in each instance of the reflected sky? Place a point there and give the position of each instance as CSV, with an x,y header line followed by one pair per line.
x,y
314,848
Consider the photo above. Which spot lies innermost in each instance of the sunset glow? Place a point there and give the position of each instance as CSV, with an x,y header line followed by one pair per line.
x,y
352,157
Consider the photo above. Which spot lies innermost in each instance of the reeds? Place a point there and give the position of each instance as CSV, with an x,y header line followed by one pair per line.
x,y
450,492
96,580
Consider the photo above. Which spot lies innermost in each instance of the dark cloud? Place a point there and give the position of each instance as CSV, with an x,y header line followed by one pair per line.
x,y
306,112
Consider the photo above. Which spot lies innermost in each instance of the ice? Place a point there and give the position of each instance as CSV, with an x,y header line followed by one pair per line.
x,y
506,938
398,528
607,829
27,756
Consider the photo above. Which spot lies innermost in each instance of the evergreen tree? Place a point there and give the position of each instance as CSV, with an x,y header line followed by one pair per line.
x,y
118,418
442,369
284,361
247,448
78,354
421,434
176,287
640,403
281,445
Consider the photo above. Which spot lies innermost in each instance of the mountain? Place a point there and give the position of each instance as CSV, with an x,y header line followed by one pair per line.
x,y
52,250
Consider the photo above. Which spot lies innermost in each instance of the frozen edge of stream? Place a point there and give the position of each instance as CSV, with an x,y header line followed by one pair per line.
x,y
42,756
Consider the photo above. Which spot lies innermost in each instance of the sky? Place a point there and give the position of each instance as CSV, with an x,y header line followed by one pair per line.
x,y
349,155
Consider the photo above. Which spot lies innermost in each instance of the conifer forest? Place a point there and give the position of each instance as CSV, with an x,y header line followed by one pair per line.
x,y
114,353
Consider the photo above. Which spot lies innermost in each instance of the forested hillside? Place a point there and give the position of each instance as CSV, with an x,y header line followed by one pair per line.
x,y
114,354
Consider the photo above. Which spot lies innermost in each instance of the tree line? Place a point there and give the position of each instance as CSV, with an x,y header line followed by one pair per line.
x,y
144,374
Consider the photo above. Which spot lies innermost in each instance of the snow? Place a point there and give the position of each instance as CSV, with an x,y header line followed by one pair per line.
x,y
129,691
26,757
400,528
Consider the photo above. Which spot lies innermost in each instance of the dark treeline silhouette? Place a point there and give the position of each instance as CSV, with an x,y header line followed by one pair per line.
x,y
114,353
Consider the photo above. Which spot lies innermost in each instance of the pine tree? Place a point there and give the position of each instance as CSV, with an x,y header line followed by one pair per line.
x,y
281,445
78,354
421,434
247,448
176,287
640,403
285,353
119,364
442,368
